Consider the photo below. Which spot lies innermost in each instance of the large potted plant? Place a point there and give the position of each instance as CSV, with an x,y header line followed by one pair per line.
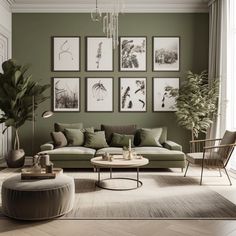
x,y
196,103
19,95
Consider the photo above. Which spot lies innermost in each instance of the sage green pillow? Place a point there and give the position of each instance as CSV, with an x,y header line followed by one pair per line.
x,y
121,140
62,126
95,140
150,137
75,137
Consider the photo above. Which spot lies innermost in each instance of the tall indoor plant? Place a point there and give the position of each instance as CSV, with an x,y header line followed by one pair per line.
x,y
17,91
196,102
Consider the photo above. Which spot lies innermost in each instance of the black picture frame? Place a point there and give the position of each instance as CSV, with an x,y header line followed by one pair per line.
x,y
120,95
163,57
87,54
120,54
55,64
89,95
53,79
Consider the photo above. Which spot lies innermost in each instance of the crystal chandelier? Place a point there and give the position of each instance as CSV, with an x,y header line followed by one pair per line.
x,y
110,20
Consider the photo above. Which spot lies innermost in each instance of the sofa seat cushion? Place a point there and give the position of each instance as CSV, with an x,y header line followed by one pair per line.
x,y
71,153
111,150
160,154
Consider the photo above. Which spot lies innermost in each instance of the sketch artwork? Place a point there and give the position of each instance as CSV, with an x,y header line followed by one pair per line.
x,y
66,94
133,94
99,54
162,101
166,53
133,53
99,94
66,52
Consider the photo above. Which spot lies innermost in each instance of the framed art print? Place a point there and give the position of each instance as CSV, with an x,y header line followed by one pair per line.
x,y
65,53
133,95
166,53
133,54
99,94
162,101
99,56
66,94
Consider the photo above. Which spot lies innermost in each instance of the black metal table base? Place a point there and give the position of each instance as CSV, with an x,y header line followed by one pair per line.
x,y
100,181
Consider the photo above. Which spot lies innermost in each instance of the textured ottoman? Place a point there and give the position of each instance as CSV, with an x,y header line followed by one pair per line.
x,y
37,199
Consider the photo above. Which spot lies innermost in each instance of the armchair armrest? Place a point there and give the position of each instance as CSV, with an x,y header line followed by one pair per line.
x,y
172,145
220,146
46,146
204,140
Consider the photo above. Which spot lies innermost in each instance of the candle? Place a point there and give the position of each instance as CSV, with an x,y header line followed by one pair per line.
x,y
47,160
129,144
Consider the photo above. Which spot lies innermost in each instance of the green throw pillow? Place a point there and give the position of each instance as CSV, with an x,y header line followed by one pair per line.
x,y
95,140
121,140
75,137
59,139
62,126
150,137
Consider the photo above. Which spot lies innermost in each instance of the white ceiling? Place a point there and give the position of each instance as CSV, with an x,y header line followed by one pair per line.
x,y
87,5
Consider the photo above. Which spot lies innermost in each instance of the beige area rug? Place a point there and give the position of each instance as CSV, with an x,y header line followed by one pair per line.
x,y
164,195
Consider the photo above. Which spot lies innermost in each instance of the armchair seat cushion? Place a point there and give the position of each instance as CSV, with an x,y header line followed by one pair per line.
x,y
196,157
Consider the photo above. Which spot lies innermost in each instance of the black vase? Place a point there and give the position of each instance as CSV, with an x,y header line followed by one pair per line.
x,y
15,158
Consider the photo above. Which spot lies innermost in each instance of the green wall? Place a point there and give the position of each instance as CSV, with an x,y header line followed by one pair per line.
x,y
32,44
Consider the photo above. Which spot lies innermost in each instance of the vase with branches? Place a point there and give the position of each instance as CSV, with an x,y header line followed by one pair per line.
x,y
16,92
196,102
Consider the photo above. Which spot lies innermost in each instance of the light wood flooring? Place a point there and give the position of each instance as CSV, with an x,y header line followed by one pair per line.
x,y
134,227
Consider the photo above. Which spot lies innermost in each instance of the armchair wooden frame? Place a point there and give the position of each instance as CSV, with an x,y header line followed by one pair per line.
x,y
209,148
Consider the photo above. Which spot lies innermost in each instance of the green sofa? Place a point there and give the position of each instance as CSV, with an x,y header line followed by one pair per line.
x,y
170,155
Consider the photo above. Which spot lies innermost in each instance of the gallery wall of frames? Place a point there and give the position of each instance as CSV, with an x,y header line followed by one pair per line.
x,y
99,57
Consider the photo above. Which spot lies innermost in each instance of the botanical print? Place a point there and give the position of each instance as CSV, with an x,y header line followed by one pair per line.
x,y
99,94
162,101
99,54
66,54
133,53
132,94
166,54
66,94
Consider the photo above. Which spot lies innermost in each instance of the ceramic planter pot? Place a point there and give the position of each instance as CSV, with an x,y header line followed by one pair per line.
x,y
15,158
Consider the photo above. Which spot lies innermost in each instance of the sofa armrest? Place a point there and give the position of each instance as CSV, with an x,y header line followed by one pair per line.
x,y
172,145
47,146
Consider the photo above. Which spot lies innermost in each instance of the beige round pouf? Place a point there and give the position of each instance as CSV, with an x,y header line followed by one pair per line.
x,y
37,199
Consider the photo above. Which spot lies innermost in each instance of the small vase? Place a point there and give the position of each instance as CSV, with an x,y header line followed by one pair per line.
x,y
15,158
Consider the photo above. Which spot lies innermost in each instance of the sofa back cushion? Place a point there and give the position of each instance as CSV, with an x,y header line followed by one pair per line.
x,y
95,140
150,137
121,140
59,139
162,139
121,129
62,126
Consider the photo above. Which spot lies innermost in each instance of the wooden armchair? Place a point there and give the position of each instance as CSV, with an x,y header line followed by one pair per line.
x,y
212,152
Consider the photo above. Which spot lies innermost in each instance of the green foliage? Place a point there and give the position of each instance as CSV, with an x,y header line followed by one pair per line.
x,y
196,102
16,92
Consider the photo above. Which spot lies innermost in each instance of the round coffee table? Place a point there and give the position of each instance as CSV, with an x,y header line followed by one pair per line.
x,y
118,162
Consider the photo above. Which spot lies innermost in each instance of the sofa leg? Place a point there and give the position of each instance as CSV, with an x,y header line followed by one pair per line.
x,y
94,169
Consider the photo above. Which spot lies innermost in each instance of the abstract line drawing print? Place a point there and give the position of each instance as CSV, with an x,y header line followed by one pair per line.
x,y
99,94
99,54
133,54
66,94
65,49
133,94
162,100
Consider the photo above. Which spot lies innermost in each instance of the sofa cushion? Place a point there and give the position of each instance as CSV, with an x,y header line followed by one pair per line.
x,y
121,129
95,140
160,154
110,150
71,153
150,137
163,137
75,137
61,126
121,140
59,139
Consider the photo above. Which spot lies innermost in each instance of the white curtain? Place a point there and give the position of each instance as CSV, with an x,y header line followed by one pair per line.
x,y
218,59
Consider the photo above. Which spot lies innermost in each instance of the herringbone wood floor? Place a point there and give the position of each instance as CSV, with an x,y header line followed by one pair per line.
x,y
131,227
